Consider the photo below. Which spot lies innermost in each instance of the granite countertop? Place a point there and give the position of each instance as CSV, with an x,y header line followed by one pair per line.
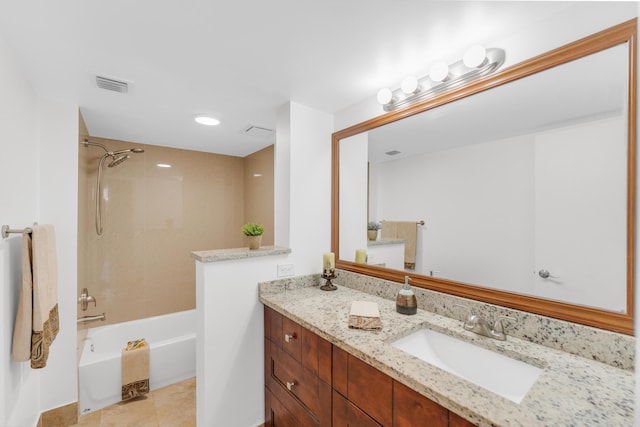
x,y
216,255
571,390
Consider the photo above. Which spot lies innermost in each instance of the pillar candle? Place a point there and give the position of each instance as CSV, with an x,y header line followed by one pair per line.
x,y
361,256
329,262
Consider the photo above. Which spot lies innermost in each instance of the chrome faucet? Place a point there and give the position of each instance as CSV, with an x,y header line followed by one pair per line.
x,y
480,326
85,299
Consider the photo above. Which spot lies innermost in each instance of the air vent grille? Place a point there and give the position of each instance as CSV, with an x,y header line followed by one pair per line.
x,y
112,84
258,132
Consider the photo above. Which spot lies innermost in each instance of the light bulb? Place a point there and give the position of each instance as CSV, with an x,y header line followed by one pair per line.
x,y
384,96
206,120
474,56
439,72
409,85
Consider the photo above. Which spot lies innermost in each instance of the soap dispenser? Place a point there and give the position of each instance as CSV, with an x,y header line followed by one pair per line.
x,y
406,302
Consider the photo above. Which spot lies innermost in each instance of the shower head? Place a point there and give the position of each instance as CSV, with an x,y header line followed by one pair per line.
x,y
117,160
127,150
113,154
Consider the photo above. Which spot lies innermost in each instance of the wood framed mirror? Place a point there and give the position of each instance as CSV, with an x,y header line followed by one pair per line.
x,y
567,111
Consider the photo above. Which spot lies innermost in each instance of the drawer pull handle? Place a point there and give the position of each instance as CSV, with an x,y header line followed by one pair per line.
x,y
290,385
288,337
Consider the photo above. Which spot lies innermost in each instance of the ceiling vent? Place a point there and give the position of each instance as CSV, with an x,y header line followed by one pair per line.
x,y
112,84
392,152
258,132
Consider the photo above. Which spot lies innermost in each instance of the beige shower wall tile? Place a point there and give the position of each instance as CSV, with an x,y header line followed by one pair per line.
x,y
154,218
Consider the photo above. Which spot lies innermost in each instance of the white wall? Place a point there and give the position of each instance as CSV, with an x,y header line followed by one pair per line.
x,y
230,341
442,188
530,41
303,171
20,391
38,182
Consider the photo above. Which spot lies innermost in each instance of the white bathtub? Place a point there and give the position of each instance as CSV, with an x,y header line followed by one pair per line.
x,y
172,343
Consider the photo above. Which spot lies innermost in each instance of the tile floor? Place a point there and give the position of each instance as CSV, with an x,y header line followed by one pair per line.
x,y
171,406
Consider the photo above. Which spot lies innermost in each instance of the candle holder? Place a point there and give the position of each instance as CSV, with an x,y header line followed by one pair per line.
x,y
328,275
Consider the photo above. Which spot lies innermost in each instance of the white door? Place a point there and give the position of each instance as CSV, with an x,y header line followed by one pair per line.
x,y
580,215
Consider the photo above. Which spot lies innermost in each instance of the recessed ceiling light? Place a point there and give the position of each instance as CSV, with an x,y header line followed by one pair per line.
x,y
207,120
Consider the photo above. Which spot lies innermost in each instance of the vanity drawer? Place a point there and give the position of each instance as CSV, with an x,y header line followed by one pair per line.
x,y
292,338
285,410
289,375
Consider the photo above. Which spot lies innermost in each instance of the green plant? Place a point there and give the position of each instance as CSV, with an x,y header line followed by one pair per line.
x,y
372,225
252,229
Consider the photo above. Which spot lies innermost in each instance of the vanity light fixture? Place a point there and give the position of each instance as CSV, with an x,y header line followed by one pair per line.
x,y
477,62
207,120
385,96
163,165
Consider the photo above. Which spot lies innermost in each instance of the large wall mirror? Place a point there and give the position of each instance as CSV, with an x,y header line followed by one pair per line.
x,y
517,189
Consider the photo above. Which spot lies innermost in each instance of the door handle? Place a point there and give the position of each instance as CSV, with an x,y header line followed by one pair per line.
x,y
545,274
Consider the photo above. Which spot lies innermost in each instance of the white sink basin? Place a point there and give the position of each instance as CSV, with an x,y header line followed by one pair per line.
x,y
500,374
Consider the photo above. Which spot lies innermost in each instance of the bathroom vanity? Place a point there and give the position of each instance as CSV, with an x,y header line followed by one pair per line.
x,y
311,382
319,372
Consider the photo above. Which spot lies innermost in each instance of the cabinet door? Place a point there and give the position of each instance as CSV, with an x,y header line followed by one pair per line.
x,y
411,408
277,414
456,420
363,385
346,414
370,390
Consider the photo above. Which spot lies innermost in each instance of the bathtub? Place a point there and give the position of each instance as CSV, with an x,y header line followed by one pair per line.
x,y
172,346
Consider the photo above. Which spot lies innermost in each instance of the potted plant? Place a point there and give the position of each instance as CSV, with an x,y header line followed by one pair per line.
x,y
254,232
372,230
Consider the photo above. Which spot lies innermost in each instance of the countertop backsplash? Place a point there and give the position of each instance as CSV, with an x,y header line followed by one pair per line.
x,y
604,346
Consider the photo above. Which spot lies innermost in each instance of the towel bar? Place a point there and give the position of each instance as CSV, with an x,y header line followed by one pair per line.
x,y
83,319
6,230
417,222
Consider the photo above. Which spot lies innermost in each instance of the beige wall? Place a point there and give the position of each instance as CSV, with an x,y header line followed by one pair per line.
x,y
258,193
153,218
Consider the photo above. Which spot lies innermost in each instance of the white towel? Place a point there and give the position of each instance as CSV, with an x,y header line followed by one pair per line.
x,y
37,321
365,315
135,369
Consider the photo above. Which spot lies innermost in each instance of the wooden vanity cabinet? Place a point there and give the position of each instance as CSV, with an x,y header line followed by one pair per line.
x,y
310,382
297,374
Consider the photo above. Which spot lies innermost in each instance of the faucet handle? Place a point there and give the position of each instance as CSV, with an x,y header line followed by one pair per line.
x,y
471,318
498,327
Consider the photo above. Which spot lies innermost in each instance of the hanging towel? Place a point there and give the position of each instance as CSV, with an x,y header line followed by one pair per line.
x,y
37,323
407,231
365,315
135,369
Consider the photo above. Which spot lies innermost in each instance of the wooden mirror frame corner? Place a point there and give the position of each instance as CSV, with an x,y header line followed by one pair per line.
x,y
625,32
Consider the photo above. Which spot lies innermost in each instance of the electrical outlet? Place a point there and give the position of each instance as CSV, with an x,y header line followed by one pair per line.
x,y
285,270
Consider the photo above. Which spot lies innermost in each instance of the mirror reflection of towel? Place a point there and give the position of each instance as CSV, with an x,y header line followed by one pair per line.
x,y
407,231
